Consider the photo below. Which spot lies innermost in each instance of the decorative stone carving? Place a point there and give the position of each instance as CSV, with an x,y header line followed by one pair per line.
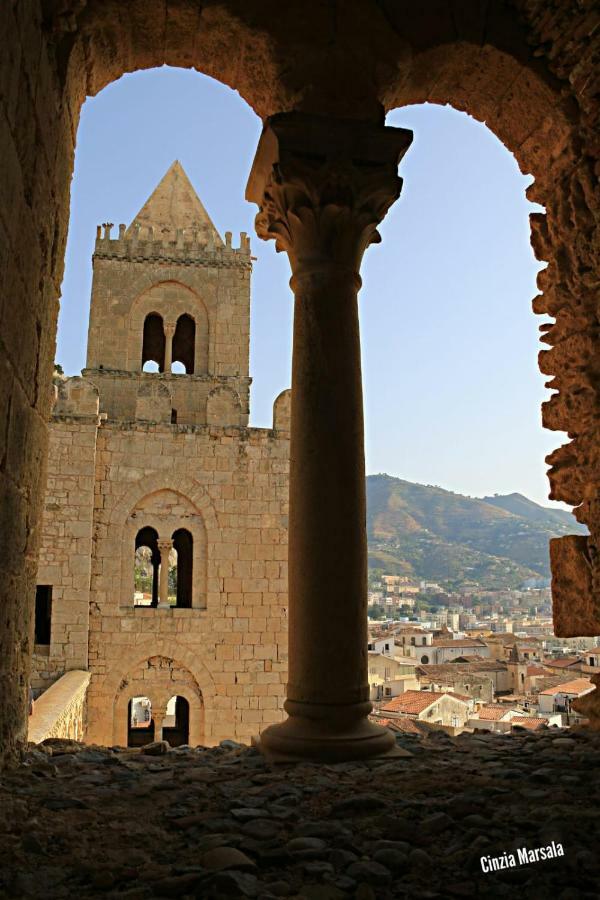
x,y
327,189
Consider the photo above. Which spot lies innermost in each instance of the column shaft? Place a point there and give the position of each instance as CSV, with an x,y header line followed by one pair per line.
x,y
327,537
169,332
163,588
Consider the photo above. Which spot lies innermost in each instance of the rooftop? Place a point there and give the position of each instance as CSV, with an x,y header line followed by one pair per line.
x,y
562,663
575,687
459,642
414,702
493,712
174,204
529,722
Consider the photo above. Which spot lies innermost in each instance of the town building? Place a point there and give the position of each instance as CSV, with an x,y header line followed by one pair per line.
x,y
433,707
561,697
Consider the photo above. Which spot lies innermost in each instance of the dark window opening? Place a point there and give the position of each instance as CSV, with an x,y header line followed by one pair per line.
x,y
184,342
176,724
43,613
153,344
147,560
140,724
173,417
183,543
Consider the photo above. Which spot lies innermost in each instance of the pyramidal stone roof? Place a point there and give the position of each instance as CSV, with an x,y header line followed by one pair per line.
x,y
174,204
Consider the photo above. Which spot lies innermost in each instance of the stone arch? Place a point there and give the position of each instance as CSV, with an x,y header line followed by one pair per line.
x,y
171,299
176,672
223,407
392,54
203,527
170,481
153,340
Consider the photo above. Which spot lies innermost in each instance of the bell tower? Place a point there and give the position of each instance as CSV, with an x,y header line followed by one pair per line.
x,y
169,327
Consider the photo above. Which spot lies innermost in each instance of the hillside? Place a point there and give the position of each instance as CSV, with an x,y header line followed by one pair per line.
x,y
434,534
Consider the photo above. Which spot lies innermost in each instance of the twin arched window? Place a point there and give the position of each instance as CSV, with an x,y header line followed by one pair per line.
x,y
166,350
148,560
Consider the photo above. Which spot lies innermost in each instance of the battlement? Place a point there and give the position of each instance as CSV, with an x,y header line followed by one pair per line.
x,y
141,242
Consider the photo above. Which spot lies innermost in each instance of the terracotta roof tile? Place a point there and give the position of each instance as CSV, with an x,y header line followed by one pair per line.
x,y
402,723
577,686
414,702
562,663
528,722
492,713
461,642
536,670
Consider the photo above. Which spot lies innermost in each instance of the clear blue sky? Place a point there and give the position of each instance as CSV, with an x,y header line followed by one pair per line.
x,y
452,389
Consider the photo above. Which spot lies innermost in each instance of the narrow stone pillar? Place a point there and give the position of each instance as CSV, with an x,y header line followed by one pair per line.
x,y
322,187
169,332
165,548
158,716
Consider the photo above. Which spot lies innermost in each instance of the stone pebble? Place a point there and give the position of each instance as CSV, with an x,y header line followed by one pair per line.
x,y
220,822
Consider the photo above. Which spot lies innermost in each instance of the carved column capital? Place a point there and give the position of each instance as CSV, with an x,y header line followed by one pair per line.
x,y
169,328
164,546
323,186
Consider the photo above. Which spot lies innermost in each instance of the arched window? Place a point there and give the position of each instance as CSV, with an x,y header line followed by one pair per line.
x,y
140,724
183,543
176,723
184,343
153,344
147,560
424,659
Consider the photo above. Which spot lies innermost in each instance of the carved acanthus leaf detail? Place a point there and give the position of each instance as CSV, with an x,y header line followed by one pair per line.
x,y
326,209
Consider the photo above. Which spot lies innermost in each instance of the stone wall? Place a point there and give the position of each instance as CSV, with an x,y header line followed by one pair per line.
x,y
132,282
66,551
60,711
233,641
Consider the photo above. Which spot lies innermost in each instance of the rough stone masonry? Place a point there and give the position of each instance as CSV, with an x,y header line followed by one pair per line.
x,y
136,453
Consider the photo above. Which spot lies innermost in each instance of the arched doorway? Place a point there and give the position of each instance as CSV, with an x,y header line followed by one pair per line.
x,y
140,724
176,723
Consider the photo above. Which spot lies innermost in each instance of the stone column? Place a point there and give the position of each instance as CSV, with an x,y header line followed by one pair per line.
x,y
322,187
158,716
169,332
165,548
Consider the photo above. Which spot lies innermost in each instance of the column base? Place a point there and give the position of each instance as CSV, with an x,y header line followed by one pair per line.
x,y
299,739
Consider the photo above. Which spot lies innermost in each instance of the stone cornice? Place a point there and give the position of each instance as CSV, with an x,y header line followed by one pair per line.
x,y
167,376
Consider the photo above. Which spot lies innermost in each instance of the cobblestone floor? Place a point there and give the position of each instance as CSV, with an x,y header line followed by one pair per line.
x,y
79,822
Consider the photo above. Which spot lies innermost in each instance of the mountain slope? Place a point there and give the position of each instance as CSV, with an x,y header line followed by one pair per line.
x,y
437,535
527,509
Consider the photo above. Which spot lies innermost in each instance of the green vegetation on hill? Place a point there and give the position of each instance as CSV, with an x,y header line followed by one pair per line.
x,y
436,535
